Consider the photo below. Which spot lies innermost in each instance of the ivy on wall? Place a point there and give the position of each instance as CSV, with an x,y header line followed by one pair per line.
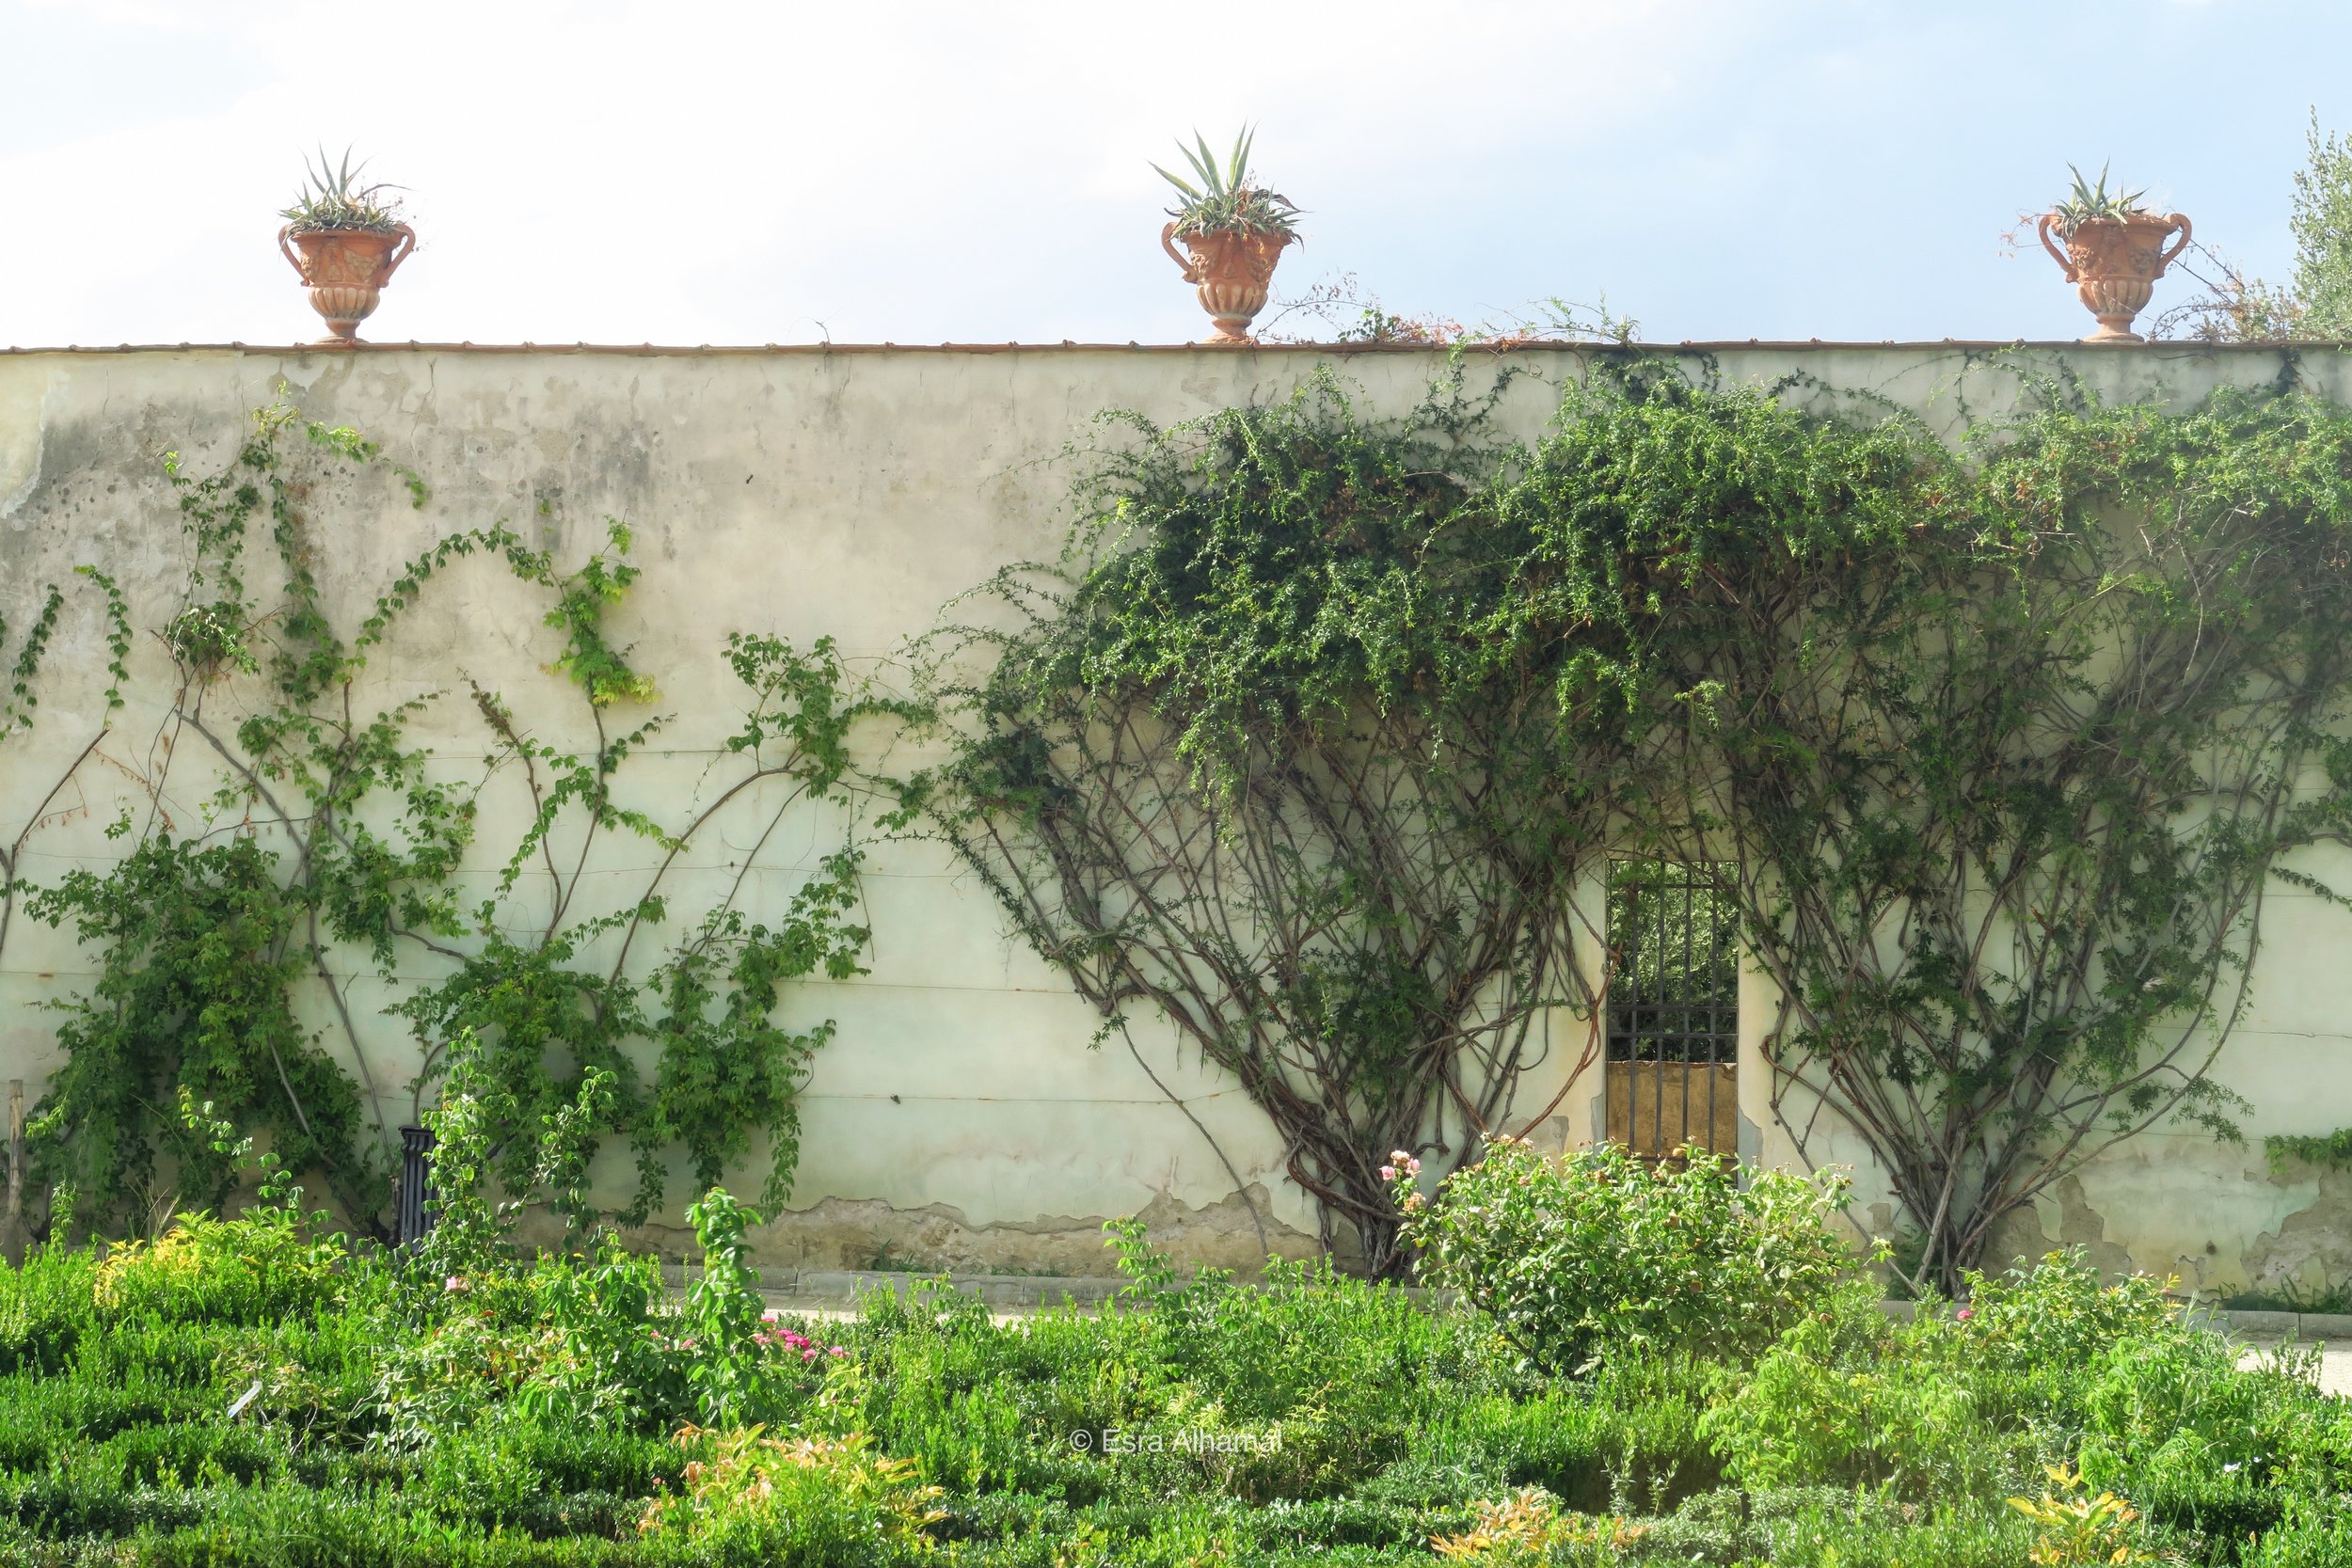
x,y
328,830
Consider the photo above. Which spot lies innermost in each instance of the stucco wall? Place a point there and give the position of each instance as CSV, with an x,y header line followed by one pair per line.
x,y
959,1116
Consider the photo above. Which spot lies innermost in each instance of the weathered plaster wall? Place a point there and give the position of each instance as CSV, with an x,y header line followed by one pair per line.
x,y
959,1116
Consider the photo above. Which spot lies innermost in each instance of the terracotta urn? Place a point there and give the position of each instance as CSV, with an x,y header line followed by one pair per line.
x,y
2116,262
345,270
1234,268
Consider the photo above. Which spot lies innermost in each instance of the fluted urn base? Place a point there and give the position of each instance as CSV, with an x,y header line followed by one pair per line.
x,y
345,270
1234,269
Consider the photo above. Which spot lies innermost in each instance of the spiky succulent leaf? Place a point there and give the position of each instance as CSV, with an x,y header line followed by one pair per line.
x,y
1240,164
2090,201
333,198
1191,192
1226,198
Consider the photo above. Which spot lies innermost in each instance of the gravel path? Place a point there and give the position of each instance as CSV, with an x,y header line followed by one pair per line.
x,y
2335,1361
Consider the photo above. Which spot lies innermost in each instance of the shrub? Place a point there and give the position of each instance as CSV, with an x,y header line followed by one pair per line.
x,y
2072,1530
2061,1313
750,1498
258,1268
1859,1530
1530,1528
1833,1403
2196,1442
1337,1372
1630,1436
1597,1249
2316,1532
547,1476
44,1308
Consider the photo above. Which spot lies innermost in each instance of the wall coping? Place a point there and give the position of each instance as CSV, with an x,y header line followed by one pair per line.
x,y
1341,350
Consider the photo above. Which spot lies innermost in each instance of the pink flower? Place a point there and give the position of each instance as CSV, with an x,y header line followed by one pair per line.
x,y
1388,1173
455,1285
1965,1313
838,1349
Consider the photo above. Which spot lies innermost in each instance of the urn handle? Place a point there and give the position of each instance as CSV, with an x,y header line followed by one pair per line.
x,y
2178,220
291,260
409,242
2055,254
1167,243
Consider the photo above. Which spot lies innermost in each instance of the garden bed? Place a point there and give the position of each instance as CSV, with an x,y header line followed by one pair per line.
x,y
254,1391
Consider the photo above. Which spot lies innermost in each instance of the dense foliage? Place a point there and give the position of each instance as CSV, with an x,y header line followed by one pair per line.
x,y
256,1391
1228,198
1577,1258
333,196
1317,745
326,831
1270,759
1319,734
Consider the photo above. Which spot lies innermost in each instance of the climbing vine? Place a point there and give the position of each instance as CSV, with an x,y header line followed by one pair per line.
x,y
2284,1151
1267,755
22,699
2005,744
1311,737
1315,743
330,830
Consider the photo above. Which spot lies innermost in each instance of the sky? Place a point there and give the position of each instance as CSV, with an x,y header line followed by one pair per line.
x,y
786,172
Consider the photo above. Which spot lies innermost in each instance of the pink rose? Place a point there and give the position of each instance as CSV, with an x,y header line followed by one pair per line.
x,y
455,1285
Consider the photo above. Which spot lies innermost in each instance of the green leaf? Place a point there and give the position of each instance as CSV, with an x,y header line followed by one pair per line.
x,y
1180,184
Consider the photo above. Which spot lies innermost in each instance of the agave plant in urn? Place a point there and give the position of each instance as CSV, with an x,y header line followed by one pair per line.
x,y
1235,229
351,241
2115,252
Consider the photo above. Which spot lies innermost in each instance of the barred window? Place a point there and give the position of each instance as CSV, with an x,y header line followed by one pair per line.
x,y
1674,1007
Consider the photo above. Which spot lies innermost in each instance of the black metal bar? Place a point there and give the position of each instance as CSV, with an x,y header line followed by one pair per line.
x,y
1658,1070
1715,1016
417,1214
1689,1016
